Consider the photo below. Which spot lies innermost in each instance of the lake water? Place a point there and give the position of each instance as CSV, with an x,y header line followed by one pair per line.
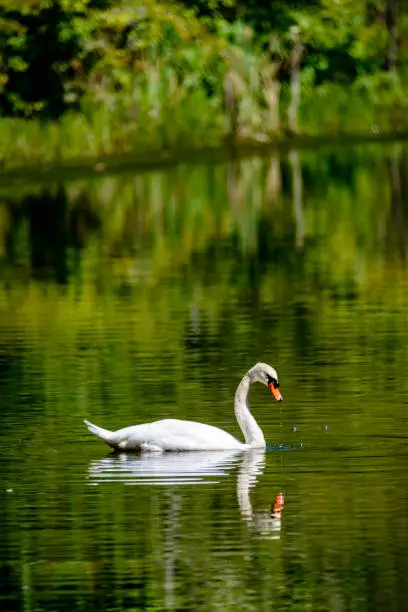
x,y
147,295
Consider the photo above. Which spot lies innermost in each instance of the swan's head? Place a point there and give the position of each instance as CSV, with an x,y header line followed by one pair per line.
x,y
265,374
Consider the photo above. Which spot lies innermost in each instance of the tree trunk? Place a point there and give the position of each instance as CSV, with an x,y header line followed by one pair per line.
x,y
272,94
392,35
293,112
231,104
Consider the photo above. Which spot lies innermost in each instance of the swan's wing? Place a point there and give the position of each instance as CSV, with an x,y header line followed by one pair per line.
x,y
175,435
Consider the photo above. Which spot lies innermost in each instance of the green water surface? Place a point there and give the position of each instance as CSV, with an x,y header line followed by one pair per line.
x,y
141,296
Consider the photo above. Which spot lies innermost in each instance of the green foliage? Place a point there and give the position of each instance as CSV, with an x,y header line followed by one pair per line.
x,y
344,39
191,73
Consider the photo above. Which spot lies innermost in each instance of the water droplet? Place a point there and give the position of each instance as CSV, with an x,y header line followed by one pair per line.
x,y
294,428
9,490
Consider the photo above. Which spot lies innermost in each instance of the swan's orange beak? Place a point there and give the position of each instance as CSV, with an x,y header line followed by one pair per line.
x,y
275,391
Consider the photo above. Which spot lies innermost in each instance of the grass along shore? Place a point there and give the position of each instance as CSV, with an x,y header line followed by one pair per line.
x,y
108,138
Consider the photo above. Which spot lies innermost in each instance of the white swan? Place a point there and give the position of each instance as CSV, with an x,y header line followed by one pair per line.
x,y
177,435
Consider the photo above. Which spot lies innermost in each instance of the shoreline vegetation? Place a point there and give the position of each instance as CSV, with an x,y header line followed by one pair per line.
x,y
97,83
161,158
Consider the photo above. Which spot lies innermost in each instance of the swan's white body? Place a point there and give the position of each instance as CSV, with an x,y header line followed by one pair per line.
x,y
178,435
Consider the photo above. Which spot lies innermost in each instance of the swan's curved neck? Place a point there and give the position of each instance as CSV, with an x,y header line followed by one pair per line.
x,y
252,432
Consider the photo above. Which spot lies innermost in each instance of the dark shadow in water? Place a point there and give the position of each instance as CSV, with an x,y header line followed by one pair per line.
x,y
51,231
49,234
397,203
297,197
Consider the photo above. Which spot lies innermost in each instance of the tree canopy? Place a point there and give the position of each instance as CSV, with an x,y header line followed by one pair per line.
x,y
194,72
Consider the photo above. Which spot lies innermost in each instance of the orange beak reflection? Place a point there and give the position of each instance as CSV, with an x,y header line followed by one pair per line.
x,y
275,391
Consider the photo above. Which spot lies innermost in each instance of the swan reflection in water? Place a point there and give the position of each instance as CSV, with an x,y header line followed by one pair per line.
x,y
267,524
202,467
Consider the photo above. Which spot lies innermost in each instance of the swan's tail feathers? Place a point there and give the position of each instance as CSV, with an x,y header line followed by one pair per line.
x,y
104,434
